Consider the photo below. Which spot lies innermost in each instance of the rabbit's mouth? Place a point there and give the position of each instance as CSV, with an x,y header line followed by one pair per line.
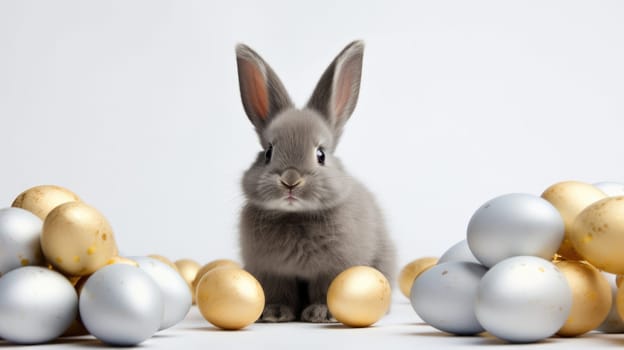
x,y
290,198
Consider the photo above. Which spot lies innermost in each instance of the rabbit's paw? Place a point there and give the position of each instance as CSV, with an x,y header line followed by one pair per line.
x,y
317,313
277,313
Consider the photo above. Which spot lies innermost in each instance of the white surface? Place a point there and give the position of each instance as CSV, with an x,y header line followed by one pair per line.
x,y
401,329
135,106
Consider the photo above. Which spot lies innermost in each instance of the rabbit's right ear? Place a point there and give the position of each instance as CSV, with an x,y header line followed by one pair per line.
x,y
262,92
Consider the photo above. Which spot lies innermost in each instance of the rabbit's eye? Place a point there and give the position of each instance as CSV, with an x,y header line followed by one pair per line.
x,y
268,153
320,155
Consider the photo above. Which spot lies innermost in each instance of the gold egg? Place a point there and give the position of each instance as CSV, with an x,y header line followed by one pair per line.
x,y
230,298
76,239
40,200
598,234
619,302
570,198
188,270
591,297
121,260
412,270
359,296
164,260
219,263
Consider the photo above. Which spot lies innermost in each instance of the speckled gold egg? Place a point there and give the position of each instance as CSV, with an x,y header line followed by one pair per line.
x,y
570,198
219,263
598,234
591,297
230,298
412,270
359,296
76,239
188,269
40,200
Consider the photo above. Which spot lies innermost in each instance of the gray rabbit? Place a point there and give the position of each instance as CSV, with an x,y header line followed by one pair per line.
x,y
305,219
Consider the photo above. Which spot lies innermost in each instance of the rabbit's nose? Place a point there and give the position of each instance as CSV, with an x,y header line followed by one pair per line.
x,y
291,178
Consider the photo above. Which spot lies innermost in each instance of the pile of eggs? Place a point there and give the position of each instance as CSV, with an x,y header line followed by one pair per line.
x,y
61,275
530,267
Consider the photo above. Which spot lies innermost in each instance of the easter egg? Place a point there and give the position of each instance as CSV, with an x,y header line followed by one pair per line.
x,y
230,298
598,234
514,225
77,239
613,323
443,296
215,264
176,293
412,270
40,200
36,305
188,270
359,296
458,252
591,297
619,302
523,299
121,305
20,232
570,198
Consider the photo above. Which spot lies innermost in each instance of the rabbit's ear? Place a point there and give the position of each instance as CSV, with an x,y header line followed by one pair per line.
x,y
336,93
261,90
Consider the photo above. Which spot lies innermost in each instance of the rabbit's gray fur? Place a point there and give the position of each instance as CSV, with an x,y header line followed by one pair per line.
x,y
304,222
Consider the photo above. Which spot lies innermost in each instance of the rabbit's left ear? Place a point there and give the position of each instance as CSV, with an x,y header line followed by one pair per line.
x,y
336,93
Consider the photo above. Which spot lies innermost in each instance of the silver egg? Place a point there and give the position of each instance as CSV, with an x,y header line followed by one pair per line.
x,y
20,233
121,305
177,296
36,305
443,296
523,299
611,189
613,323
514,225
458,252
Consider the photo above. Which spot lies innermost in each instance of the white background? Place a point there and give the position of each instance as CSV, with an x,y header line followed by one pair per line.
x,y
135,106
